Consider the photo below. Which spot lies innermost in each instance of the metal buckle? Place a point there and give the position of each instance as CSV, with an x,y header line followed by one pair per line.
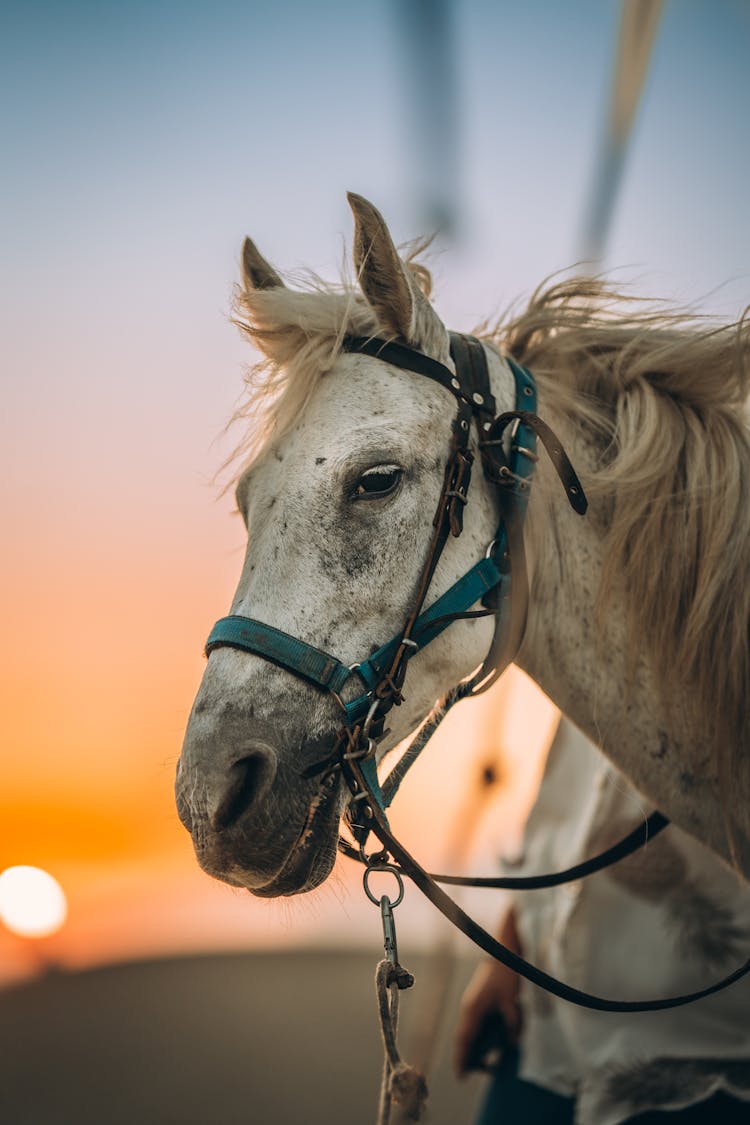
x,y
529,453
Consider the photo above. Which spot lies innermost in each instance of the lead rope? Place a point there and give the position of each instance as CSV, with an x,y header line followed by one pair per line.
x,y
400,1083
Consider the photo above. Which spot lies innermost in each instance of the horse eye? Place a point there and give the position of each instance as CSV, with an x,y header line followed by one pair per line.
x,y
377,482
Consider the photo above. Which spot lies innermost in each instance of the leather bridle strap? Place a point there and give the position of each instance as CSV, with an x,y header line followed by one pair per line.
x,y
471,388
476,933
476,395
512,489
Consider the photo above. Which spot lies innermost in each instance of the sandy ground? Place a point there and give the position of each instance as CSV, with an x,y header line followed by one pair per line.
x,y
249,1039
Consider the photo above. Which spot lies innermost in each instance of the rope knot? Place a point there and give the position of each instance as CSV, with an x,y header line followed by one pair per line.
x,y
399,976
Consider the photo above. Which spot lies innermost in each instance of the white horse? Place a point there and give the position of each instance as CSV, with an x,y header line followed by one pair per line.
x,y
638,617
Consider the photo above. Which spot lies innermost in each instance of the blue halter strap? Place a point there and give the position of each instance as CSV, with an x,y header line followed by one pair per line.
x,y
325,671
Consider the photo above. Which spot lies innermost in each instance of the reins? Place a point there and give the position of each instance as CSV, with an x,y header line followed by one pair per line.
x,y
455,914
636,839
508,452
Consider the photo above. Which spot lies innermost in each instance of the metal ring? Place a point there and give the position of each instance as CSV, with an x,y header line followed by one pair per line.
x,y
491,549
391,870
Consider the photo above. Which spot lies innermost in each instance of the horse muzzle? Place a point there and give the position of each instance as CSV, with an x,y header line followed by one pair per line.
x,y
255,822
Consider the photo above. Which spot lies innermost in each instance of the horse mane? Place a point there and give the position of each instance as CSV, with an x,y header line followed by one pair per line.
x,y
664,394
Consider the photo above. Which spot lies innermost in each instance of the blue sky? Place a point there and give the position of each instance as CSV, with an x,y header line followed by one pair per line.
x,y
160,132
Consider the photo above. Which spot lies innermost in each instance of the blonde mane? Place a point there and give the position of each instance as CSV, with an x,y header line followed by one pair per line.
x,y
664,396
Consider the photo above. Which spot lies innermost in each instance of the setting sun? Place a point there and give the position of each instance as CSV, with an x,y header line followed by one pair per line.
x,y
32,902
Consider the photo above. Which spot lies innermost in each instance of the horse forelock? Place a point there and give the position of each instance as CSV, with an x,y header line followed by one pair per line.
x,y
298,334
664,395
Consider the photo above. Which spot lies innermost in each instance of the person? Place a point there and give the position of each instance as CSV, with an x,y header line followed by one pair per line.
x,y
671,918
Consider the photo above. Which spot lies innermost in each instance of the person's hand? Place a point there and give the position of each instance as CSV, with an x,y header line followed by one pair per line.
x,y
493,988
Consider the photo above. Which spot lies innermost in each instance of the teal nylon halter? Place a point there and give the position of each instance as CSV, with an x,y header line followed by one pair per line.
x,y
325,671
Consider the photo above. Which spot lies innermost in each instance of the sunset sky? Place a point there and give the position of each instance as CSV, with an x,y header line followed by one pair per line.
x,y
141,142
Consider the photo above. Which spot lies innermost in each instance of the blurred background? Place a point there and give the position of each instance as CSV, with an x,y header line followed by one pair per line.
x,y
141,142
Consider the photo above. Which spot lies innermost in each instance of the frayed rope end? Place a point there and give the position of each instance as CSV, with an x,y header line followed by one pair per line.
x,y
409,1089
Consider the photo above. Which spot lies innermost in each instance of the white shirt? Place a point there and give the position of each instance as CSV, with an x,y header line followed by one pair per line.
x,y
670,919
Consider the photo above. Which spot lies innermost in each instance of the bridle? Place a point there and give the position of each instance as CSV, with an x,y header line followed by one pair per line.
x,y
382,673
508,452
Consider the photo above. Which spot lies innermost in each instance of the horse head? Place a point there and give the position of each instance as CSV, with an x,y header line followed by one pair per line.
x,y
339,509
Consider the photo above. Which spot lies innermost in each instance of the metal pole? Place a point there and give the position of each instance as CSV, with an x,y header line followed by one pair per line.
x,y
426,35
638,23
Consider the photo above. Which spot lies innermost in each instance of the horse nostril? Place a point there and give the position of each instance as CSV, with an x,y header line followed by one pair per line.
x,y
250,779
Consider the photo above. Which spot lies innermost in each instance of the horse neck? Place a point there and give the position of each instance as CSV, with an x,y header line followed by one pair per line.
x,y
580,658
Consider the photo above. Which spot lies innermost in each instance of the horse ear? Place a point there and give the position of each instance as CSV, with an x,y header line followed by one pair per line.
x,y
256,271
398,302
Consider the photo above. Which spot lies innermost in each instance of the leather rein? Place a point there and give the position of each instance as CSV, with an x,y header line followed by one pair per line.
x,y
507,446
